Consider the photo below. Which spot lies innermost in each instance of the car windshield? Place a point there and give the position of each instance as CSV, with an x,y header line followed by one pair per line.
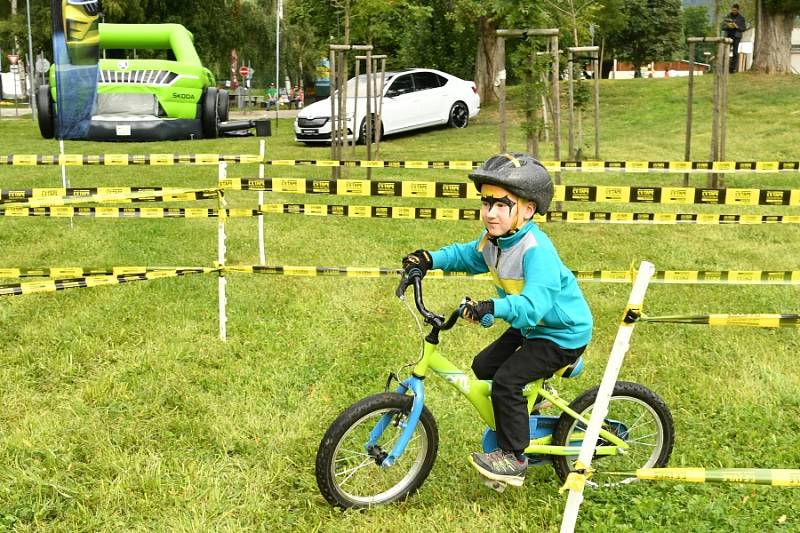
x,y
361,81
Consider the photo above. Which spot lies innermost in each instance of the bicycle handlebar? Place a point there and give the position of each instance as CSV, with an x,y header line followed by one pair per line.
x,y
431,318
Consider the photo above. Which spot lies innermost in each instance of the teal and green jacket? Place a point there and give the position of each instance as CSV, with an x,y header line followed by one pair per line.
x,y
538,295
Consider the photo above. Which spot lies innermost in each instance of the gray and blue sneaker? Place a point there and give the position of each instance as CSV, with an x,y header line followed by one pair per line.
x,y
500,466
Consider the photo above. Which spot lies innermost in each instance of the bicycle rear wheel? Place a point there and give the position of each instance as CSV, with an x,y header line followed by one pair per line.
x,y
637,415
350,475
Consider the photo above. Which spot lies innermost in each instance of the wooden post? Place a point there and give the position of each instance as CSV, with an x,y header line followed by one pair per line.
x,y
339,101
531,116
687,152
380,106
712,182
571,107
597,75
355,115
552,33
334,125
369,123
501,51
723,114
556,104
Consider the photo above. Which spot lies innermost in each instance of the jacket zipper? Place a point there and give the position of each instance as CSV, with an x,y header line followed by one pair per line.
x,y
497,261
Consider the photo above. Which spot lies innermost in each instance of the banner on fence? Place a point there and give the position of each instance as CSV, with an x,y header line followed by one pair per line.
x,y
443,213
751,320
675,167
56,197
127,159
55,285
568,193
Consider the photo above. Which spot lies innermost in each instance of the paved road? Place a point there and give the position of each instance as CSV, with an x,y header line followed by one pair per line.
x,y
9,111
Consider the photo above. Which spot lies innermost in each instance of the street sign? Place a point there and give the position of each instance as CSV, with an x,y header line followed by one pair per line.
x,y
12,58
42,65
244,71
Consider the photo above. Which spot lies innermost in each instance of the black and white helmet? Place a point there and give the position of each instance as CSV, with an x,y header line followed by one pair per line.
x,y
520,174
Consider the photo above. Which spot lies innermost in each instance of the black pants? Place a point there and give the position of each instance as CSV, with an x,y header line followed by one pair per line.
x,y
734,66
511,362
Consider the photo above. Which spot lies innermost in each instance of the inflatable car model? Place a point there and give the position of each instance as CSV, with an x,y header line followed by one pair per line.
x,y
138,99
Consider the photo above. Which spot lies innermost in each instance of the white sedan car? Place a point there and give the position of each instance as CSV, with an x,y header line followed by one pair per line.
x,y
412,98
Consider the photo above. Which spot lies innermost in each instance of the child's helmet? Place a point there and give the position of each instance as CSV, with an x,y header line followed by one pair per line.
x,y
521,174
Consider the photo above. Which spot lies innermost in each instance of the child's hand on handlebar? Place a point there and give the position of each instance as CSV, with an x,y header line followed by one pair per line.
x,y
478,312
419,261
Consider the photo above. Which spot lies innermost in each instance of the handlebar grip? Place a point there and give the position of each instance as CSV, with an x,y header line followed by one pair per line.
x,y
401,288
406,279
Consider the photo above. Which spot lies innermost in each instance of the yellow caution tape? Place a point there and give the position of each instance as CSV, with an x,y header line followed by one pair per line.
x,y
77,277
563,193
760,476
575,481
684,277
55,285
405,213
579,217
125,212
678,167
747,320
127,159
62,197
77,272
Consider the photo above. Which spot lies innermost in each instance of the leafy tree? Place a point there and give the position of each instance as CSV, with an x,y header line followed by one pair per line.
x,y
696,24
774,36
654,30
435,37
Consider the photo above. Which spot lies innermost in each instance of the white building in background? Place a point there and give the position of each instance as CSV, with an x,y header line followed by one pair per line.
x,y
12,84
796,51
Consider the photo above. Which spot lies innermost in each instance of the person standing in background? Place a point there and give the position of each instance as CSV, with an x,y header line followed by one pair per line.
x,y
733,26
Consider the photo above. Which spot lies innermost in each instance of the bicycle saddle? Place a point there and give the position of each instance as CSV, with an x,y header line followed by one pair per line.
x,y
571,371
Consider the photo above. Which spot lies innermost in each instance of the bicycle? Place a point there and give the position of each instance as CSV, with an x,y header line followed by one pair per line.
x,y
382,448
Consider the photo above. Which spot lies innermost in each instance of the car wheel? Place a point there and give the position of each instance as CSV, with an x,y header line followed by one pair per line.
x,y
44,112
210,113
362,132
459,116
223,105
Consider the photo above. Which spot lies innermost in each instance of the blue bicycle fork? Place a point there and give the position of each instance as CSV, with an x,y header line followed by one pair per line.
x,y
418,392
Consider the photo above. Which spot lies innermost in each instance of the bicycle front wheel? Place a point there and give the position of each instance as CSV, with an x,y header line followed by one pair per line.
x,y
349,473
635,414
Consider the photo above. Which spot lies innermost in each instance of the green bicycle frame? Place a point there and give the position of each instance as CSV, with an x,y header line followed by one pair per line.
x,y
478,393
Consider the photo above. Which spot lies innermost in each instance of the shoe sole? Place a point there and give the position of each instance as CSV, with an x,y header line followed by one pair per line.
x,y
514,481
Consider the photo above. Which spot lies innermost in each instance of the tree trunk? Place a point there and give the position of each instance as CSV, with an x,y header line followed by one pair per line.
x,y
488,61
774,42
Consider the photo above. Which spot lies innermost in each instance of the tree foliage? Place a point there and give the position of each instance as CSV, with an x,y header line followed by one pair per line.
x,y
654,30
696,24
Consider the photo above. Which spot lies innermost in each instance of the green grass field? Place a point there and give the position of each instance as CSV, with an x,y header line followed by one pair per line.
x,y
122,411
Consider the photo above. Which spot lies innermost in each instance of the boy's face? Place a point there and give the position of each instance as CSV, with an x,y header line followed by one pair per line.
x,y
502,211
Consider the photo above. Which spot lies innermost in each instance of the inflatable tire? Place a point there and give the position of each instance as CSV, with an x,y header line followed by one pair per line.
x,y
223,105
45,113
209,110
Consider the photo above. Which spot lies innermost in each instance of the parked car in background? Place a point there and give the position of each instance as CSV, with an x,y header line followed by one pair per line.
x,y
412,99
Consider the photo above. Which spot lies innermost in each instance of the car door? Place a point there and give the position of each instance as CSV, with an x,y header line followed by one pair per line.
x,y
399,104
431,106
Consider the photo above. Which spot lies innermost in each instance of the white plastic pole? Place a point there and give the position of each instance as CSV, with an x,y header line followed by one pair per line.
x,y
223,318
576,482
278,17
64,181
31,88
262,258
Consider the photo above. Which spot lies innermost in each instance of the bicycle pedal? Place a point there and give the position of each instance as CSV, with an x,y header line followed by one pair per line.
x,y
498,486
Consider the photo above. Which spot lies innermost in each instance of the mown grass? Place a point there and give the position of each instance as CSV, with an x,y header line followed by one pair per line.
x,y
123,411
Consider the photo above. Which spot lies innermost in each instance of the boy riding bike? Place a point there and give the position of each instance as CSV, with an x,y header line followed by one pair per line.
x,y
551,323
